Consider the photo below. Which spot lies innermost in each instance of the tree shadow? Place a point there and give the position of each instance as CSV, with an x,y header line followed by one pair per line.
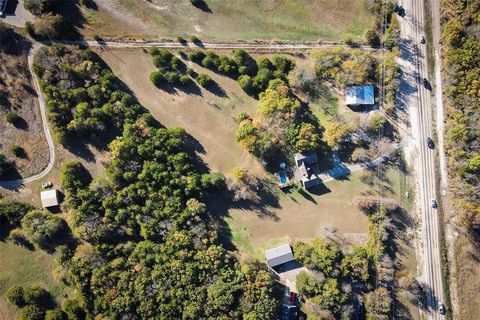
x,y
216,90
21,124
202,5
195,148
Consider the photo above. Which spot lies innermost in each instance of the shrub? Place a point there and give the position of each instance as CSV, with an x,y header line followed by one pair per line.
x,y
171,77
32,312
246,83
192,73
17,151
162,58
204,80
181,40
372,38
12,117
49,26
18,237
30,28
185,80
196,56
194,39
15,295
214,181
242,116
157,78
176,63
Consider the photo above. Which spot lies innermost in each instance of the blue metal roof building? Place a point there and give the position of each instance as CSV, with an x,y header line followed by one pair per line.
x,y
359,95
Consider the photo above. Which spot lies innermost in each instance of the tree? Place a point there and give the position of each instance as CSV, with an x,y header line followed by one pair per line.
x,y
157,78
162,58
246,83
196,56
38,7
378,304
73,310
335,132
330,297
15,295
277,99
32,312
38,296
12,117
42,227
204,80
372,38
4,163
49,26
356,265
13,211
308,285
55,314
74,177
308,138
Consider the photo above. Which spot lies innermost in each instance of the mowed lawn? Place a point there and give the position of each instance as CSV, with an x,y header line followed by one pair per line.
x,y
305,216
24,267
234,19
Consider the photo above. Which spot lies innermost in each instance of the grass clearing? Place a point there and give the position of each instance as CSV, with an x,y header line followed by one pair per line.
x,y
207,117
231,20
24,267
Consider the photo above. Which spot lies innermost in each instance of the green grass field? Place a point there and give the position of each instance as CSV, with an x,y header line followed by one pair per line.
x,y
24,267
239,19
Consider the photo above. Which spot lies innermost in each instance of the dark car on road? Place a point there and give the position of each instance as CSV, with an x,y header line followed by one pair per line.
x,y
434,204
430,143
427,84
422,39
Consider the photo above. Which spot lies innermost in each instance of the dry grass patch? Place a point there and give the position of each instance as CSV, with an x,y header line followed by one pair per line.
x,y
17,95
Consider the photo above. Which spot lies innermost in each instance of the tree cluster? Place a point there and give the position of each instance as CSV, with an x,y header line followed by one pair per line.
x,y
461,52
84,98
281,124
49,24
36,303
336,279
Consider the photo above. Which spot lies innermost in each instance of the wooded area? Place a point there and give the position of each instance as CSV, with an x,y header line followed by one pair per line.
x,y
461,54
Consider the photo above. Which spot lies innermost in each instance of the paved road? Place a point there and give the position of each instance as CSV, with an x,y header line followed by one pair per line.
x,y
419,105
14,184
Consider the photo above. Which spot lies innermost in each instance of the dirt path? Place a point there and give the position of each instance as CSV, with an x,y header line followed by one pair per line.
x,y
247,45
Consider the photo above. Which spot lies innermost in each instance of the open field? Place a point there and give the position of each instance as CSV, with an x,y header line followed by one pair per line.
x,y
17,95
303,216
229,20
24,267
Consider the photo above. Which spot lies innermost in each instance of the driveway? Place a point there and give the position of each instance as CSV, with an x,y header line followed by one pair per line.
x,y
15,14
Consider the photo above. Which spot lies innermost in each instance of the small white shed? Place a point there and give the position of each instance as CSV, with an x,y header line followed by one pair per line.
x,y
279,255
49,198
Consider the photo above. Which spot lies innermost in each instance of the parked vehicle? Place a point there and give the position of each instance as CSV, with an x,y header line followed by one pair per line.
x,y
434,204
422,39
